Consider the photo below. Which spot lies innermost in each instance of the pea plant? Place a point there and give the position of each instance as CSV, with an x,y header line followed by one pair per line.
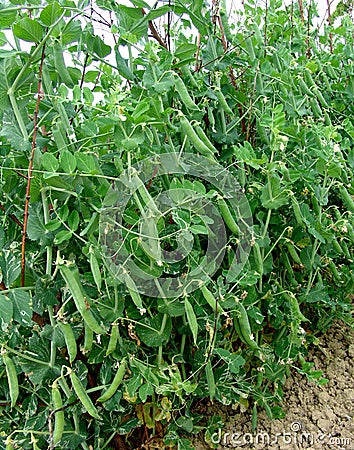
x,y
176,213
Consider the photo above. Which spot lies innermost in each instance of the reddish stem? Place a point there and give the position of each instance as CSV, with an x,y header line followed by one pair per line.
x,y
30,170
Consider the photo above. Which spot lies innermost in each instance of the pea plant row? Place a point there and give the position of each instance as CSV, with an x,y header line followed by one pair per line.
x,y
167,103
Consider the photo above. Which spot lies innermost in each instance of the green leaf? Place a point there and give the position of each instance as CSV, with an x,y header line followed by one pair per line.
x,y
73,220
273,195
28,30
6,312
67,161
150,333
38,372
10,129
22,306
72,32
51,13
62,236
185,51
122,65
7,18
36,229
10,266
50,162
191,319
86,162
100,48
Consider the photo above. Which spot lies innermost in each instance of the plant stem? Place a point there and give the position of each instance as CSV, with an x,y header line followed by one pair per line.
x,y
30,168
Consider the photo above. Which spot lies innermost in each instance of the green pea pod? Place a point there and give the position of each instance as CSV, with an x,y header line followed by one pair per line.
x,y
70,340
60,66
250,49
346,251
334,271
210,380
222,101
294,307
320,98
88,340
330,71
59,138
95,269
83,396
191,319
308,78
257,33
346,198
211,300
241,174
133,291
201,134
71,278
112,344
58,414
118,377
192,135
289,269
315,107
245,327
258,258
224,21
184,95
337,247
188,74
227,216
304,88
293,253
328,120
11,379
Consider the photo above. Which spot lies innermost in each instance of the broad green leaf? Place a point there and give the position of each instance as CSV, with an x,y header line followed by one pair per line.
x,y
22,306
62,236
73,220
11,130
51,13
122,65
67,161
3,39
97,46
191,319
158,12
273,194
71,32
6,312
28,30
10,266
185,51
7,18
86,162
149,331
50,162
38,372
36,229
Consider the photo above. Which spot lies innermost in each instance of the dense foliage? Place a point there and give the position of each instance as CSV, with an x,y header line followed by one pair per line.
x,y
105,109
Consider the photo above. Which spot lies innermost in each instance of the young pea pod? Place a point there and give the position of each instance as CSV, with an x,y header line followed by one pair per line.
x,y
71,278
83,396
308,78
250,49
184,95
118,377
304,88
112,344
258,258
224,21
60,66
315,107
227,216
70,340
11,379
320,98
188,74
211,300
58,414
222,101
199,145
294,307
210,380
346,198
95,269
246,335
201,134
88,340
293,253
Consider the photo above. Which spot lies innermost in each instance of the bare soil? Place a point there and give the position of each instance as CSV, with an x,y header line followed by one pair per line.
x,y
317,417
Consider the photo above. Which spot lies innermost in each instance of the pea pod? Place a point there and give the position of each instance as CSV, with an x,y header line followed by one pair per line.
x,y
88,340
337,247
222,101
245,327
257,34
294,307
308,78
320,98
250,49
334,271
112,344
304,88
330,71
346,198
118,377
95,269
227,216
326,82
211,300
71,278
60,66
315,107
11,379
258,258
187,73
83,396
210,380
195,140
70,340
224,21
293,253
133,291
201,134
184,95
58,414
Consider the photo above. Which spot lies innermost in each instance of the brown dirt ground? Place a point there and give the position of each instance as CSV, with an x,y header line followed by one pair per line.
x,y
317,417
